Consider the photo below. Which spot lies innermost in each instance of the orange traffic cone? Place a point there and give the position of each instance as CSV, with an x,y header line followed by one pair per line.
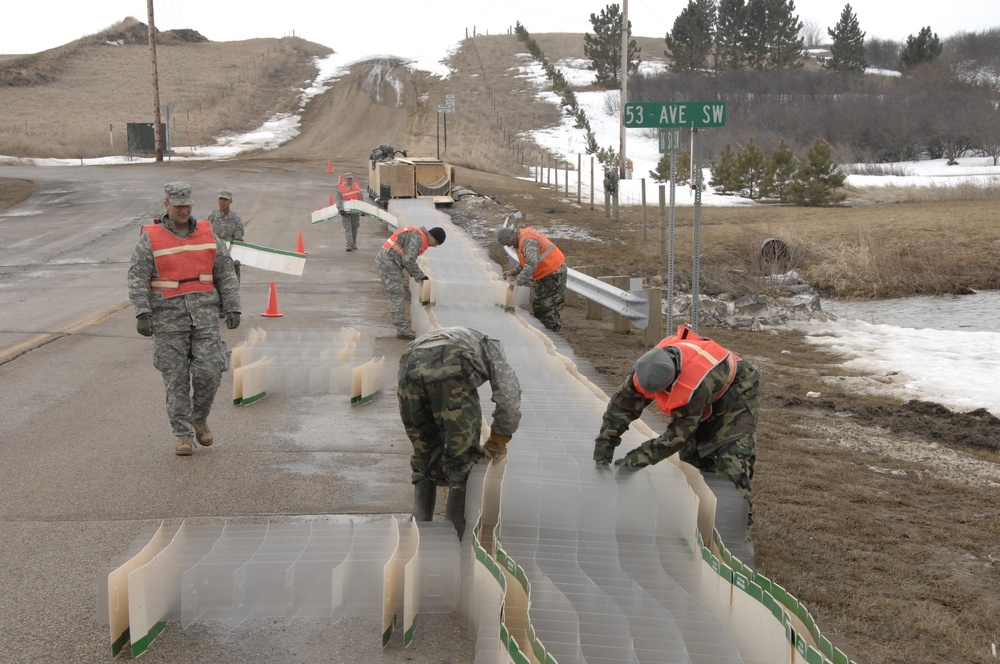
x,y
331,199
299,247
340,179
329,166
272,304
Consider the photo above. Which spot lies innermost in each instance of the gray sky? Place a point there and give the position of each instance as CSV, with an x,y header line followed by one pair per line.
x,y
391,26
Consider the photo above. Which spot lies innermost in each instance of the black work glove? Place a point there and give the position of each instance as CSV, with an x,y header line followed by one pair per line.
x,y
236,264
232,320
604,446
144,325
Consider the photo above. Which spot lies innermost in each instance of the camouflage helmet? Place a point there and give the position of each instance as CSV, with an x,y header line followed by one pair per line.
x,y
503,235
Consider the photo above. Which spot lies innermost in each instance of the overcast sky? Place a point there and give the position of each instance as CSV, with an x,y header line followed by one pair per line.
x,y
30,26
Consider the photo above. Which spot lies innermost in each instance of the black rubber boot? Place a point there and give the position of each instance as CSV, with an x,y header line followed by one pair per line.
x,y
454,510
424,495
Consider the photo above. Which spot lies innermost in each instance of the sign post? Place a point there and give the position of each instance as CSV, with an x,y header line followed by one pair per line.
x,y
445,109
669,118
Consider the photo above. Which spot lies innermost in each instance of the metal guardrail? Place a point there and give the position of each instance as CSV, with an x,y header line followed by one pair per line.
x,y
632,305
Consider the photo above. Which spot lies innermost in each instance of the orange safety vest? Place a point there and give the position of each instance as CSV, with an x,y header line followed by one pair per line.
x,y
391,243
551,257
698,357
183,265
350,194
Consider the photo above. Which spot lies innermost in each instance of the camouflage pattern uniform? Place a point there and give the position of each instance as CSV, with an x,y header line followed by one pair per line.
x,y
351,220
390,266
439,376
725,443
227,227
187,345
549,295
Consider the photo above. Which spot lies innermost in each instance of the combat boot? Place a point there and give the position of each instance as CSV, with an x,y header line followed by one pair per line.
x,y
454,510
424,495
185,447
406,334
203,434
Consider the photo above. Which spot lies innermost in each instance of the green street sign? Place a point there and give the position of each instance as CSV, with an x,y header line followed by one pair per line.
x,y
675,114
670,141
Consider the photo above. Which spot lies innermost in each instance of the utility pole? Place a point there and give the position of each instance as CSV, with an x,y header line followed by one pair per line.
x,y
157,134
624,95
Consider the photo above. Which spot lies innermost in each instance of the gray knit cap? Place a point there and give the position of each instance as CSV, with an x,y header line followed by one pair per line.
x,y
656,370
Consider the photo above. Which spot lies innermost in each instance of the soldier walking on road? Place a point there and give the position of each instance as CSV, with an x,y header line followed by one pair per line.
x,y
226,224
349,190
439,377
541,264
181,277
711,395
400,253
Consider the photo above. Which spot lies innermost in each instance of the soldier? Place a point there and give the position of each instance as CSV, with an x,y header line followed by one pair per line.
x,y
400,253
439,377
711,395
349,190
543,265
180,278
226,224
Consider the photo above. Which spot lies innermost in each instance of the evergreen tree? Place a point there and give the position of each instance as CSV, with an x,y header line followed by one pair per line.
x,y
847,54
724,175
750,170
779,173
817,178
690,42
924,48
772,35
729,34
683,171
604,47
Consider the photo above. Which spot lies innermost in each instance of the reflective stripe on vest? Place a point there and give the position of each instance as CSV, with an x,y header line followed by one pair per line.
x,y
183,265
393,243
550,258
350,194
698,357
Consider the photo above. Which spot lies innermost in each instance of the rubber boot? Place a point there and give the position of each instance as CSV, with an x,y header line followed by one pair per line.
x,y
424,495
454,510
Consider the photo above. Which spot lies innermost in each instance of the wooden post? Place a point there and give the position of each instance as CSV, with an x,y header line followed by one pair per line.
x,y
579,176
619,324
654,329
594,310
572,299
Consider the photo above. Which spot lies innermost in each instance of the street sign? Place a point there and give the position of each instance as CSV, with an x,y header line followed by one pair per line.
x,y
675,114
670,141
445,108
449,100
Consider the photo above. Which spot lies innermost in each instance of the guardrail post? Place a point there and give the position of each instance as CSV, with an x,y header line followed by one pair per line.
x,y
654,329
619,323
594,310
572,299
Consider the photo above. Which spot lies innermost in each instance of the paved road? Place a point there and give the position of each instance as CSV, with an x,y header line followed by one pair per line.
x,y
88,458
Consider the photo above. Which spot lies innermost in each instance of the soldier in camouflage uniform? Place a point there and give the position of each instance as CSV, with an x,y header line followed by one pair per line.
x,y
400,253
541,264
439,377
226,224
181,277
348,191
712,397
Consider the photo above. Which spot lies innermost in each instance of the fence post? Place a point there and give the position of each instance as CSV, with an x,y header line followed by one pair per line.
x,y
594,310
619,324
654,328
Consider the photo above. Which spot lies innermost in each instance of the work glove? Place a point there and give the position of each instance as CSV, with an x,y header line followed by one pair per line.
x,y
236,264
634,459
604,446
232,320
424,278
144,325
496,445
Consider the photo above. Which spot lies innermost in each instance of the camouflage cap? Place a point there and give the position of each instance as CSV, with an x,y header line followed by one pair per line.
x,y
348,176
178,193
225,193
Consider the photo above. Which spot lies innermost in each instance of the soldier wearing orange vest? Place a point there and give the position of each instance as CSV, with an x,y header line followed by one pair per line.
x,y
181,279
349,190
711,395
541,264
399,254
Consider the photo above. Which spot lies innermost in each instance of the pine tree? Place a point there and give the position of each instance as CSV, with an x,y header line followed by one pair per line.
x,y
729,34
604,47
772,35
817,178
779,172
924,48
750,170
725,177
847,54
683,169
690,42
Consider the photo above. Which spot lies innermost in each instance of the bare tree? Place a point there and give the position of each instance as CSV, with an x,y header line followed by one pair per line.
x,y
812,34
